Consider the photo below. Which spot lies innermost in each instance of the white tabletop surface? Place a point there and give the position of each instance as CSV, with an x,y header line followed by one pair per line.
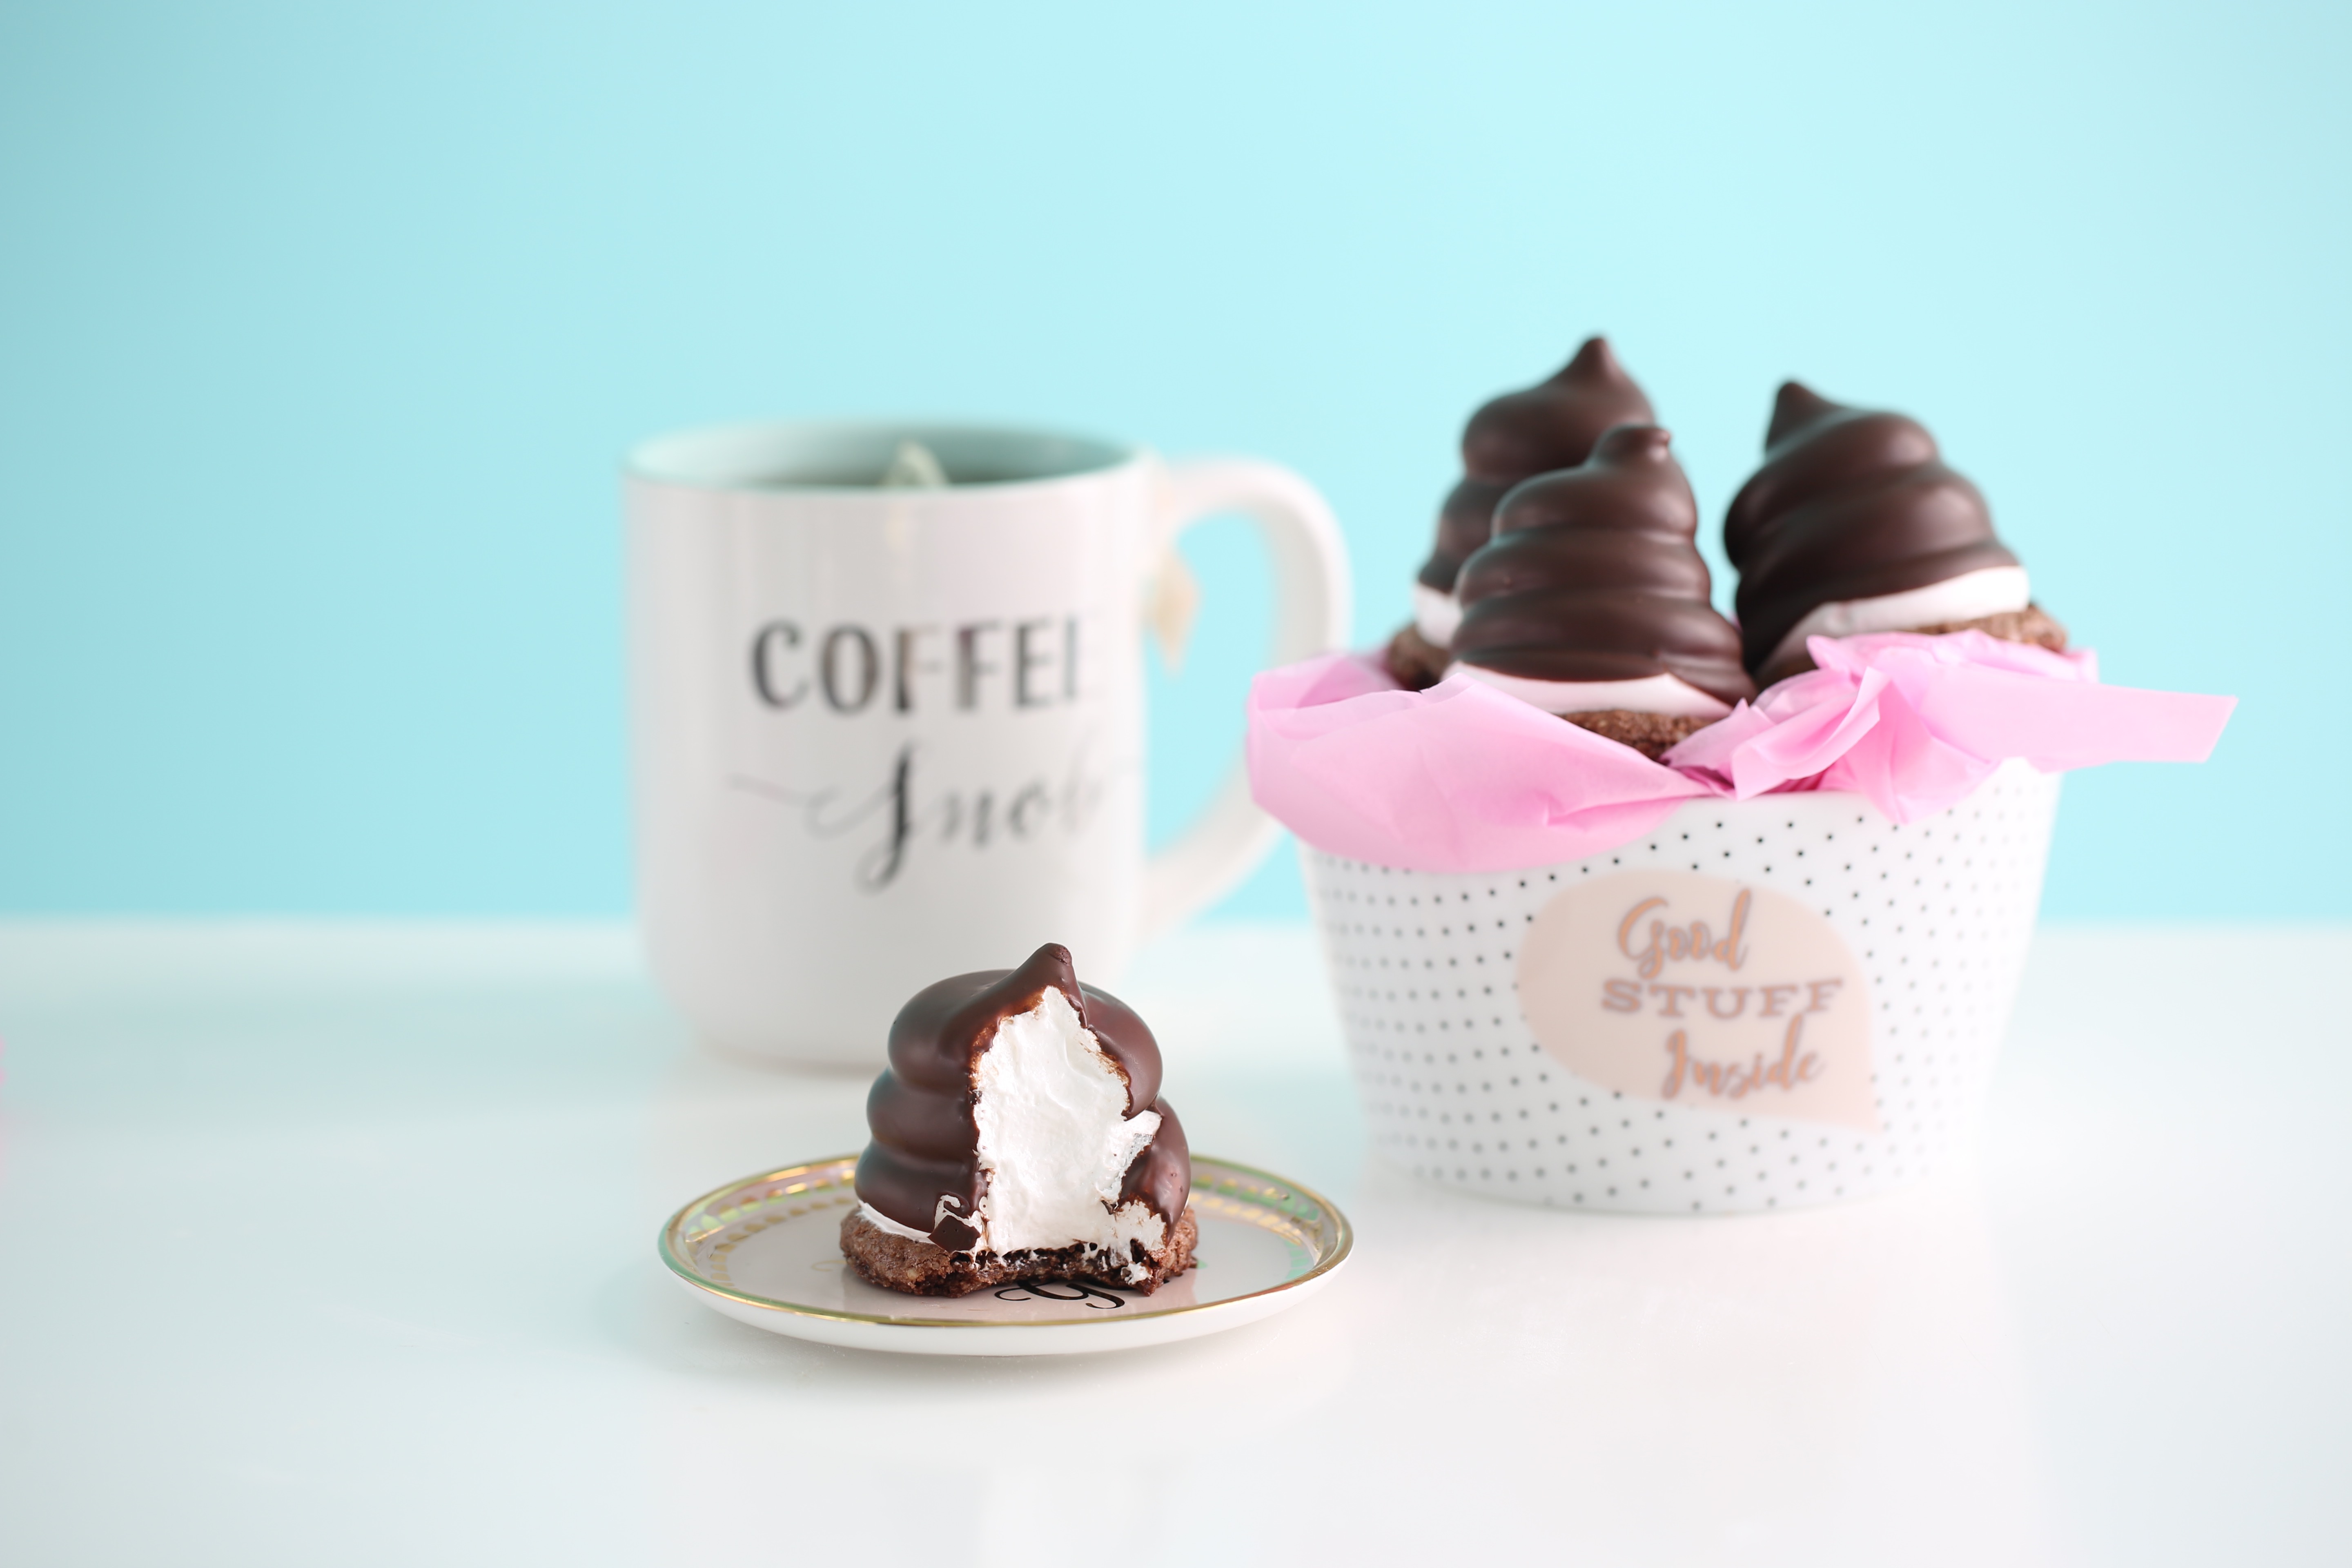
x,y
333,1244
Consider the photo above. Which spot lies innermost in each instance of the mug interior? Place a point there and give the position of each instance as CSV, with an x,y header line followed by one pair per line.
x,y
852,455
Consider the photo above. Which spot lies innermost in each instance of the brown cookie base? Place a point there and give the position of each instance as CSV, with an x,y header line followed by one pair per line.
x,y
921,1269
2030,625
1416,662
1651,734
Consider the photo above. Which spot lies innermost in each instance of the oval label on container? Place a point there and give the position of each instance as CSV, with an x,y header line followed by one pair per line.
x,y
1692,990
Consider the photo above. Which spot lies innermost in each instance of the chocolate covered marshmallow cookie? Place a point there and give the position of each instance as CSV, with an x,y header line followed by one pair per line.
x,y
1591,601
1855,524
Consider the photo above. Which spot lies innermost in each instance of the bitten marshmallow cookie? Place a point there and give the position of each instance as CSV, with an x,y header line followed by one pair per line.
x,y
1018,1133
1854,524
1512,437
1591,601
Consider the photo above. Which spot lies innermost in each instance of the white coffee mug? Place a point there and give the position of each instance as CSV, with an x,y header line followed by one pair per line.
x,y
883,735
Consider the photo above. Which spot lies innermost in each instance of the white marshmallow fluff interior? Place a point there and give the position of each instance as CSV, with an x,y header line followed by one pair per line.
x,y
1436,615
1991,592
876,1216
1667,694
1055,1139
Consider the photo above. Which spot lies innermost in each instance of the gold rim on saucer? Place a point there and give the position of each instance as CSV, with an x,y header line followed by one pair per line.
x,y
1297,1213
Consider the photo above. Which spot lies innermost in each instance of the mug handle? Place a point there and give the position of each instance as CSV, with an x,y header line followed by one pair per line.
x,y
1311,595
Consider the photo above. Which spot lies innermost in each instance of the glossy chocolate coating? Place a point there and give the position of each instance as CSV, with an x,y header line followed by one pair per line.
x,y
1849,504
1593,575
1519,435
926,1141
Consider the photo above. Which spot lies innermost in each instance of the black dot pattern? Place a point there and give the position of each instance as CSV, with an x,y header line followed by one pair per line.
x,y
1456,1090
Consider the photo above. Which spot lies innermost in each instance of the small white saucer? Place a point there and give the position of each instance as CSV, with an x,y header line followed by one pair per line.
x,y
766,1251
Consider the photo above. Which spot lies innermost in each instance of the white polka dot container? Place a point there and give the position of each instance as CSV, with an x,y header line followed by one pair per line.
x,y
1763,1004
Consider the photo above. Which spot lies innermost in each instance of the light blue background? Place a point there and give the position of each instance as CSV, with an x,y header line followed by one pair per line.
x,y
321,327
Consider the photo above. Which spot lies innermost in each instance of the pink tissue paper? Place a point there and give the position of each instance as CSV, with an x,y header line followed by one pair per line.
x,y
1464,778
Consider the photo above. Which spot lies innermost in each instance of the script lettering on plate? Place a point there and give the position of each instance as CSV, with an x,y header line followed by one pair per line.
x,y
1692,990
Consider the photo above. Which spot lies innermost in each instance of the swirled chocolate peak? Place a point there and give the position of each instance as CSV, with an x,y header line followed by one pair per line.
x,y
1854,523
1593,581
1021,1112
1519,434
